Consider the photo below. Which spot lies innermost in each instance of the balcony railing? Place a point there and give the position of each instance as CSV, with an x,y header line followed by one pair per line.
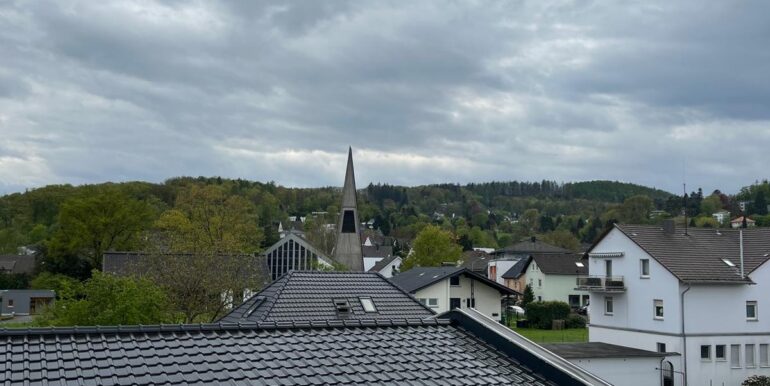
x,y
601,283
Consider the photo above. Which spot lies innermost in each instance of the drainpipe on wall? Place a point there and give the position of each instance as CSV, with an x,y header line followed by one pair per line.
x,y
684,337
743,275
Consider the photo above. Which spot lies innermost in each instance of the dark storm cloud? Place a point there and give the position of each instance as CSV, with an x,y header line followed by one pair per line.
x,y
425,92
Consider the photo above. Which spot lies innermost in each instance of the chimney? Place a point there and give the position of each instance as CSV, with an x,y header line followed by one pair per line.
x,y
669,227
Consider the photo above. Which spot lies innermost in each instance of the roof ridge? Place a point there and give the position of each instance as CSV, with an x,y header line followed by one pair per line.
x,y
279,293
203,327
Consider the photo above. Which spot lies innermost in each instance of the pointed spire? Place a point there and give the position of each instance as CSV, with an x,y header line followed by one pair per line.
x,y
349,189
348,249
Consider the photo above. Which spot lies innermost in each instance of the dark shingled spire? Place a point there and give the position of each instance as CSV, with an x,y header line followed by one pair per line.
x,y
348,249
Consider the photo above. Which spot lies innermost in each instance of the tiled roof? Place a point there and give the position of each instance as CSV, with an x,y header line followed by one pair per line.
x,y
376,251
532,246
476,260
560,264
431,352
17,263
697,256
421,277
310,296
383,263
600,350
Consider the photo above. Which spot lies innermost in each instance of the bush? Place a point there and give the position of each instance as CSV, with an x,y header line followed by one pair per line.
x,y
542,314
756,380
576,321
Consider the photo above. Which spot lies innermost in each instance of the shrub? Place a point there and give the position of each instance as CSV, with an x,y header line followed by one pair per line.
x,y
542,314
756,380
576,321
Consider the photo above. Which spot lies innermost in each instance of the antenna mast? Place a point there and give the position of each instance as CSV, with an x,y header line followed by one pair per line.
x,y
684,191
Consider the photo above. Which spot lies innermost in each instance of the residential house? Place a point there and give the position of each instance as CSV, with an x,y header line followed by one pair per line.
x,y
738,222
704,293
447,288
387,267
25,302
507,257
721,216
619,365
308,328
476,261
17,264
551,277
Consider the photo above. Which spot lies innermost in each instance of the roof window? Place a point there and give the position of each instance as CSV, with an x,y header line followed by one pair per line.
x,y
729,263
257,302
342,306
368,305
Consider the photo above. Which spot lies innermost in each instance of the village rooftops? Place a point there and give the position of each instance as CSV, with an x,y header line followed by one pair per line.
x,y
699,255
17,263
318,296
421,277
463,348
532,245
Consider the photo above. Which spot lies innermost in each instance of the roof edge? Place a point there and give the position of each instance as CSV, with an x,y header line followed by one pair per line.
x,y
531,354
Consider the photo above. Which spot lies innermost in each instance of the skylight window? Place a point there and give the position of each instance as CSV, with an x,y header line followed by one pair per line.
x,y
579,264
342,306
257,302
728,262
368,305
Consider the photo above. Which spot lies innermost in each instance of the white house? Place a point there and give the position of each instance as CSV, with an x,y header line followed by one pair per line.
x,y
447,288
505,258
388,266
722,216
704,294
618,365
551,277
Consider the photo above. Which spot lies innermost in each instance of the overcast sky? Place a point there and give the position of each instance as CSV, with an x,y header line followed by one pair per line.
x,y
425,92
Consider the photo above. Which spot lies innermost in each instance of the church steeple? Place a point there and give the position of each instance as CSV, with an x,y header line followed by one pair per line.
x,y
348,249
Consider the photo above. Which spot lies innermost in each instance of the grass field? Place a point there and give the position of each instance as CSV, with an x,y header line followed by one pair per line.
x,y
554,336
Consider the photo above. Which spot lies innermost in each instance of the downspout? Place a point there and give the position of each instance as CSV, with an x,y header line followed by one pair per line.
x,y
684,336
743,275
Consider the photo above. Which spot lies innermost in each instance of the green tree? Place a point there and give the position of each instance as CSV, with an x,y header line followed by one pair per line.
x,y
432,247
710,205
760,203
636,210
563,238
756,380
203,252
528,297
105,300
98,221
65,287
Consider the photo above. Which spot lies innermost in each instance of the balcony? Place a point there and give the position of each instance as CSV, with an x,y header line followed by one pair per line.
x,y
601,283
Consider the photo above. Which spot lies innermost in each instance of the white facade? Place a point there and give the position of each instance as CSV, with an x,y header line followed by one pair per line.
x,y
439,294
551,287
389,269
636,371
713,315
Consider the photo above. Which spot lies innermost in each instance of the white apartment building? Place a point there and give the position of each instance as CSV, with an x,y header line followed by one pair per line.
x,y
704,294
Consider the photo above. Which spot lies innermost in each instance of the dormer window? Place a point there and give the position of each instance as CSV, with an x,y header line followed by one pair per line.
x,y
368,305
342,306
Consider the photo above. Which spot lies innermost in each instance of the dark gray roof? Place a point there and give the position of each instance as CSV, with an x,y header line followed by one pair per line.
x,y
530,246
517,269
600,350
123,263
382,263
310,296
434,352
421,277
376,251
17,263
561,264
476,260
697,256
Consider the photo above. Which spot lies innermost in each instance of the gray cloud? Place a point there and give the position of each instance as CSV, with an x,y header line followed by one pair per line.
x,y
424,92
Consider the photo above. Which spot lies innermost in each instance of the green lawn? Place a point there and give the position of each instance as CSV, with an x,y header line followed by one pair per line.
x,y
554,336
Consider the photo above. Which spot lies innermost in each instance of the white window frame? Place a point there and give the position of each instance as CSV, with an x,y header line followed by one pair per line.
x,y
752,303
735,356
655,304
707,358
644,263
432,302
609,300
764,359
723,358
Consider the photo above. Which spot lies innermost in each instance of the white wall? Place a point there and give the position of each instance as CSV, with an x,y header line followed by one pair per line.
x,y
502,267
640,292
387,270
634,371
369,262
487,298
